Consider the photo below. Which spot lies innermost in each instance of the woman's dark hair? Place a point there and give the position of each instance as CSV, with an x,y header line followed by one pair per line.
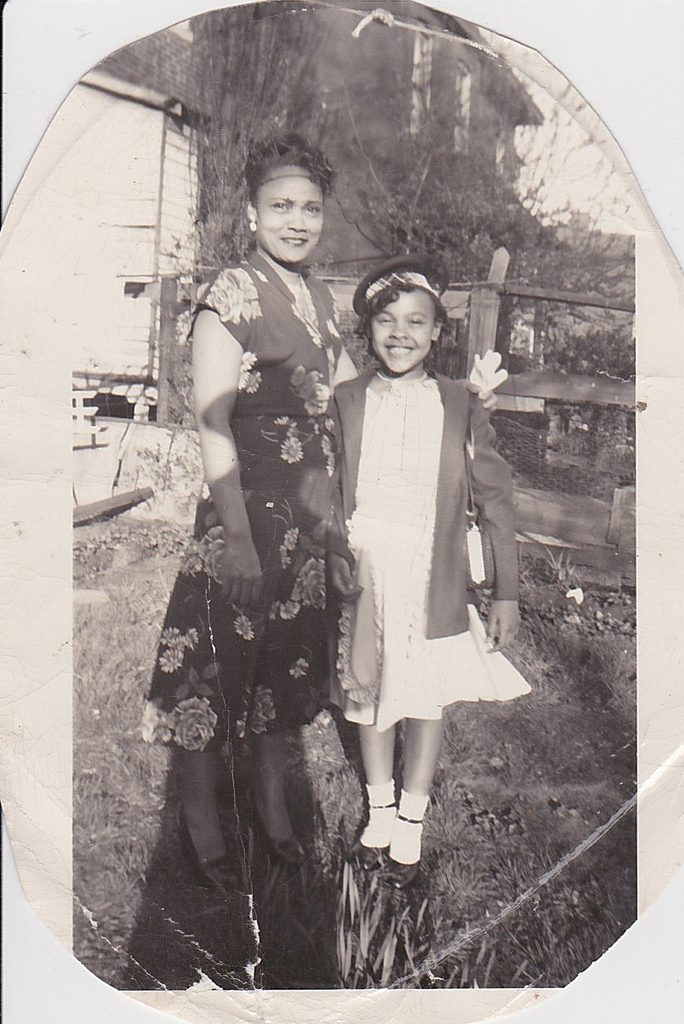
x,y
383,299
289,150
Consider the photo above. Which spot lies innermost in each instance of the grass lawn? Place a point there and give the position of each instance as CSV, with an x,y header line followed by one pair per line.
x,y
512,893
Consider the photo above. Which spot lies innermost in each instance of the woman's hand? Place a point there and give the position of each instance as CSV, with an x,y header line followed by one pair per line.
x,y
502,623
342,578
240,571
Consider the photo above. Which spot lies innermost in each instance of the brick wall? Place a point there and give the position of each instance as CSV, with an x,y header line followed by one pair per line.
x,y
163,61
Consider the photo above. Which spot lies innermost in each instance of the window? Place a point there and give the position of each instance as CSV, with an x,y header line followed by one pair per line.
x,y
420,83
462,99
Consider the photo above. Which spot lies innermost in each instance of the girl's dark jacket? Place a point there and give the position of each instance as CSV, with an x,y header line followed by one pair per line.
x,y
492,488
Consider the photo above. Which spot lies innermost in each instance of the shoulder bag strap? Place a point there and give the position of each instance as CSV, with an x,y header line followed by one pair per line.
x,y
469,454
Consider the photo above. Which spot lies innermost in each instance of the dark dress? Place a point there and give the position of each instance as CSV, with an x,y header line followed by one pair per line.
x,y
224,670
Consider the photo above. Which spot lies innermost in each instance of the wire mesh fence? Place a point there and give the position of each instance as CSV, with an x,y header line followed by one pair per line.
x,y
570,449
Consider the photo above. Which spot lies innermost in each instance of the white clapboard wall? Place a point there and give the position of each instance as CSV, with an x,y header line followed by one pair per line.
x,y
129,181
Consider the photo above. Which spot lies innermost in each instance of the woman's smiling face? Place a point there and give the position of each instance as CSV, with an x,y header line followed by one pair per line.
x,y
403,332
289,215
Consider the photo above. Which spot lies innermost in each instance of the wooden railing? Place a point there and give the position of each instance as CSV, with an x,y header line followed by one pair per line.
x,y
570,387
597,533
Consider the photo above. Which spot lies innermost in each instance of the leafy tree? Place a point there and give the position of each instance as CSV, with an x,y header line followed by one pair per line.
x,y
263,69
424,196
257,71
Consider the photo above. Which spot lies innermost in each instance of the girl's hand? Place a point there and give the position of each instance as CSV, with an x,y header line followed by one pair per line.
x,y
502,623
240,571
342,578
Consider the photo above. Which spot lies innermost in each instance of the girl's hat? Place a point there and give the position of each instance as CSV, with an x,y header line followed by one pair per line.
x,y
422,272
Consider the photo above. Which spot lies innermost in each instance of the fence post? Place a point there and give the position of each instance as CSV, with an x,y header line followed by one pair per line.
x,y
484,308
168,310
622,527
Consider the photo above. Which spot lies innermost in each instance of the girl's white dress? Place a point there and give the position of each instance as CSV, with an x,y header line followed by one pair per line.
x,y
383,649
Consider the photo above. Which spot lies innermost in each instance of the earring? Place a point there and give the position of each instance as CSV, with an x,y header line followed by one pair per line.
x,y
252,224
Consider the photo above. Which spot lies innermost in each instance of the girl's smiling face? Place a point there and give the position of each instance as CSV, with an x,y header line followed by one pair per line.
x,y
403,332
289,216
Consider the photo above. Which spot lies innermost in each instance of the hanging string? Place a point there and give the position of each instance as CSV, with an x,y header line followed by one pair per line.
x,y
384,17
379,14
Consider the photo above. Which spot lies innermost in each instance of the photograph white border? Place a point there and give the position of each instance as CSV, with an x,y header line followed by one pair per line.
x,y
631,74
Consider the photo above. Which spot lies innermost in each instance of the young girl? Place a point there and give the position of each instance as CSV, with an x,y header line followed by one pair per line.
x,y
409,642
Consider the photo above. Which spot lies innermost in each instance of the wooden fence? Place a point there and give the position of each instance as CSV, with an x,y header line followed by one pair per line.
x,y
596,533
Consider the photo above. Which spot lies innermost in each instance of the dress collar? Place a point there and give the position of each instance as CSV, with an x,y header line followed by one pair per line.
x,y
396,386
265,267
402,381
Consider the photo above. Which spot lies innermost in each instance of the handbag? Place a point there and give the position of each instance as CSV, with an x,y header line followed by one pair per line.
x,y
479,556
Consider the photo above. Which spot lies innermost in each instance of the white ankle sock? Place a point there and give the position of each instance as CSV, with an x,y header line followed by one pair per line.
x,y
408,828
382,812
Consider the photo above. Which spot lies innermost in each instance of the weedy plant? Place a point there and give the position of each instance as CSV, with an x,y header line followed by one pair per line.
x,y
560,566
519,786
380,938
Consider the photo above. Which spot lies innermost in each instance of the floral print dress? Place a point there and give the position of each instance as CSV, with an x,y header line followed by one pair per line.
x,y
222,670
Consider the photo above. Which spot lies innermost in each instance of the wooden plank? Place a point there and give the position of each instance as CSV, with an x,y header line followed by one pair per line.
x,y
484,308
108,379
178,155
178,187
178,206
178,209
622,527
499,266
570,387
167,345
176,140
604,557
518,403
575,519
83,418
456,303
111,506
571,298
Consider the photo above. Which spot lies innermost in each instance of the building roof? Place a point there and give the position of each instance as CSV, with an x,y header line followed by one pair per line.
x,y
500,85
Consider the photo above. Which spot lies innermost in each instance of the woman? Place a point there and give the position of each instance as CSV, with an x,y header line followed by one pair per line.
x,y
243,649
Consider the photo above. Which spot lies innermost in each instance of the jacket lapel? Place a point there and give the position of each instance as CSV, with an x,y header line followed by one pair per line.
x,y
453,419
446,607
451,464
351,399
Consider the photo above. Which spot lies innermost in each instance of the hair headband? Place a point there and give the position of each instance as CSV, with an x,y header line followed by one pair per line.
x,y
401,277
286,171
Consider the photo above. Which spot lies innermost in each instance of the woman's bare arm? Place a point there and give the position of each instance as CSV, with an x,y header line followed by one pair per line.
x,y
345,369
216,368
